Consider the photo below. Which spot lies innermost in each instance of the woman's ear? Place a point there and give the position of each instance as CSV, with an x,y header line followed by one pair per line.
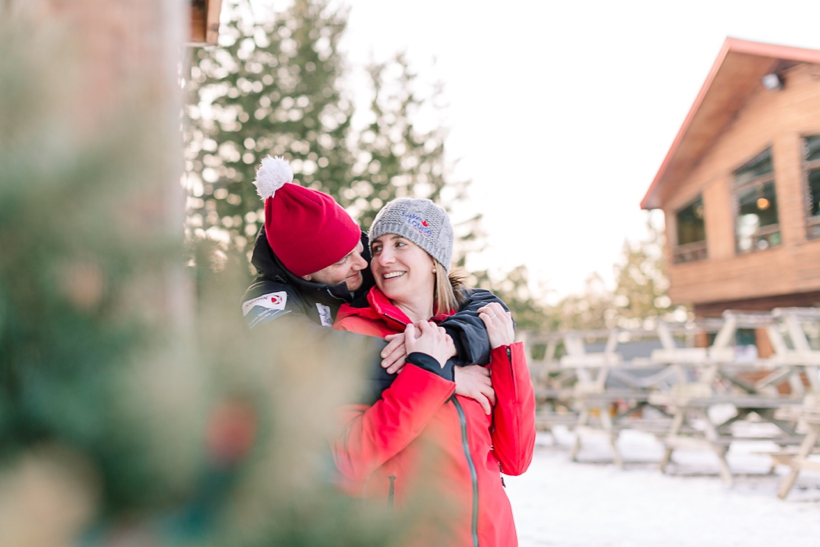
x,y
307,277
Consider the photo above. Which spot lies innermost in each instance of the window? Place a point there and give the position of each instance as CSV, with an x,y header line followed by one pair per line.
x,y
811,168
756,224
691,243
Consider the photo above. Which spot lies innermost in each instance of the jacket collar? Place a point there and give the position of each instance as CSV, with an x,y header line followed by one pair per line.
x,y
378,307
383,307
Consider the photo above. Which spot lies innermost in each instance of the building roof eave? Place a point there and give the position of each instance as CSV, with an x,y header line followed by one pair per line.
x,y
738,66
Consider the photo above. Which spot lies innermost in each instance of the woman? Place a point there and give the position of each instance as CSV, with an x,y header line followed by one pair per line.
x,y
382,452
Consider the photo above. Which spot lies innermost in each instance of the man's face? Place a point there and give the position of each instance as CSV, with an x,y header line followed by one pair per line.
x,y
348,269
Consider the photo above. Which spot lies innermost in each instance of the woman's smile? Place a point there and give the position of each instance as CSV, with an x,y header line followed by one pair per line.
x,y
404,273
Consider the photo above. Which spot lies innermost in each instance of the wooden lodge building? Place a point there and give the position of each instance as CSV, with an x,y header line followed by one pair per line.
x,y
740,186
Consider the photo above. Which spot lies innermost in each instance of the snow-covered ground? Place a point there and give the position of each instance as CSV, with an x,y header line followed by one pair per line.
x,y
595,504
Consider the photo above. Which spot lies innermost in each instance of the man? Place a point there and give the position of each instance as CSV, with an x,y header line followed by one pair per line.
x,y
312,257
308,253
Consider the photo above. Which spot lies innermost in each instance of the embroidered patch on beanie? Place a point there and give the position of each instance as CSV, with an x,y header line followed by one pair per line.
x,y
418,223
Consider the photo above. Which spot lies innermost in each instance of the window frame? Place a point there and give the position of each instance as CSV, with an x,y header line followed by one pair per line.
x,y
739,189
694,251
812,222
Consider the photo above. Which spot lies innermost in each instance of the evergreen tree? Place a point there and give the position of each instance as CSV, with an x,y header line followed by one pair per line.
x,y
273,86
529,309
641,284
121,426
640,292
591,309
82,286
395,158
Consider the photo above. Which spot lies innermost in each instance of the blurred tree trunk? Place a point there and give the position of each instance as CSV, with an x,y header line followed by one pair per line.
x,y
128,47
130,53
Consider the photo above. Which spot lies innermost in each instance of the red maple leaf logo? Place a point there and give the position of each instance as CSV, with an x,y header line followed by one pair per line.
x,y
276,299
424,223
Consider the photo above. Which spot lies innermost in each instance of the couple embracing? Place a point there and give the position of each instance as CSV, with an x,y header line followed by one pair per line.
x,y
451,405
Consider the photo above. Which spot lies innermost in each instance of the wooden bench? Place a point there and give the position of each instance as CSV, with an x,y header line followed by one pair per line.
x,y
691,406
808,416
719,382
599,392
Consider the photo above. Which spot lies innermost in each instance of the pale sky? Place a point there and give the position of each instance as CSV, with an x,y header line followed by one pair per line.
x,y
561,112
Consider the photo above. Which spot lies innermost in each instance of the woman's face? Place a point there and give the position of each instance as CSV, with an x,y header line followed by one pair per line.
x,y
402,269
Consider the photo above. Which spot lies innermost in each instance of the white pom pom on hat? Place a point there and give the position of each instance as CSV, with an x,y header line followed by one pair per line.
x,y
305,228
271,176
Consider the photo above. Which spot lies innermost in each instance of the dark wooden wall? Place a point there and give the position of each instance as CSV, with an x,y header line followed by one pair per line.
x,y
769,118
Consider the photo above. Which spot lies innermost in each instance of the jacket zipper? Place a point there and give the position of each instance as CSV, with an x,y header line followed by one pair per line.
x,y
462,418
396,320
392,490
512,369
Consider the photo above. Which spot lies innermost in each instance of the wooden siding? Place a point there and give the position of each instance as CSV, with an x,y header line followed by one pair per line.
x,y
716,309
205,22
768,118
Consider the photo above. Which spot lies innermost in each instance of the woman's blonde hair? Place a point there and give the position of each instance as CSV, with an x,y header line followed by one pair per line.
x,y
447,289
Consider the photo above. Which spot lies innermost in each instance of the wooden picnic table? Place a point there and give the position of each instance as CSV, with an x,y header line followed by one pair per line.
x,y
686,385
720,381
592,383
704,433
595,396
808,417
553,393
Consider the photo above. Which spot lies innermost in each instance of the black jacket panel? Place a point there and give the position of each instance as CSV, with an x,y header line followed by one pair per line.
x,y
276,292
468,330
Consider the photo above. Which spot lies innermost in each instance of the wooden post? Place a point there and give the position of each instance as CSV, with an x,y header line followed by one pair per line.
x,y
204,21
764,345
127,61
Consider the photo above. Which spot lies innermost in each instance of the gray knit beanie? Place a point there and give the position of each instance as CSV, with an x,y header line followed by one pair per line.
x,y
422,222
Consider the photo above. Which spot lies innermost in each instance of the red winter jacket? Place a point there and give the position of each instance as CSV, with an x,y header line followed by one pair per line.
x,y
384,451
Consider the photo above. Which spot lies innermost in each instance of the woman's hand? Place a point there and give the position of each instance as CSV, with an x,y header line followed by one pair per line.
x,y
499,324
474,382
427,337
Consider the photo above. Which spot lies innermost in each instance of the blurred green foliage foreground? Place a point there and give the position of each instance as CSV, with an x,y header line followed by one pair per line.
x,y
131,413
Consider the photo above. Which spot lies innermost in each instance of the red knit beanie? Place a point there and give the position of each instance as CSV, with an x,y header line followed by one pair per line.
x,y
306,229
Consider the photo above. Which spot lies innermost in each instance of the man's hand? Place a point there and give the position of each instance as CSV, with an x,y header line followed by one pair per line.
x,y
499,324
474,382
427,337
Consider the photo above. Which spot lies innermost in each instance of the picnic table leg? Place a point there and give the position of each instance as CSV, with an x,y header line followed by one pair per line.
x,y
606,421
768,415
805,448
713,436
741,415
677,423
796,384
725,472
773,464
583,418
